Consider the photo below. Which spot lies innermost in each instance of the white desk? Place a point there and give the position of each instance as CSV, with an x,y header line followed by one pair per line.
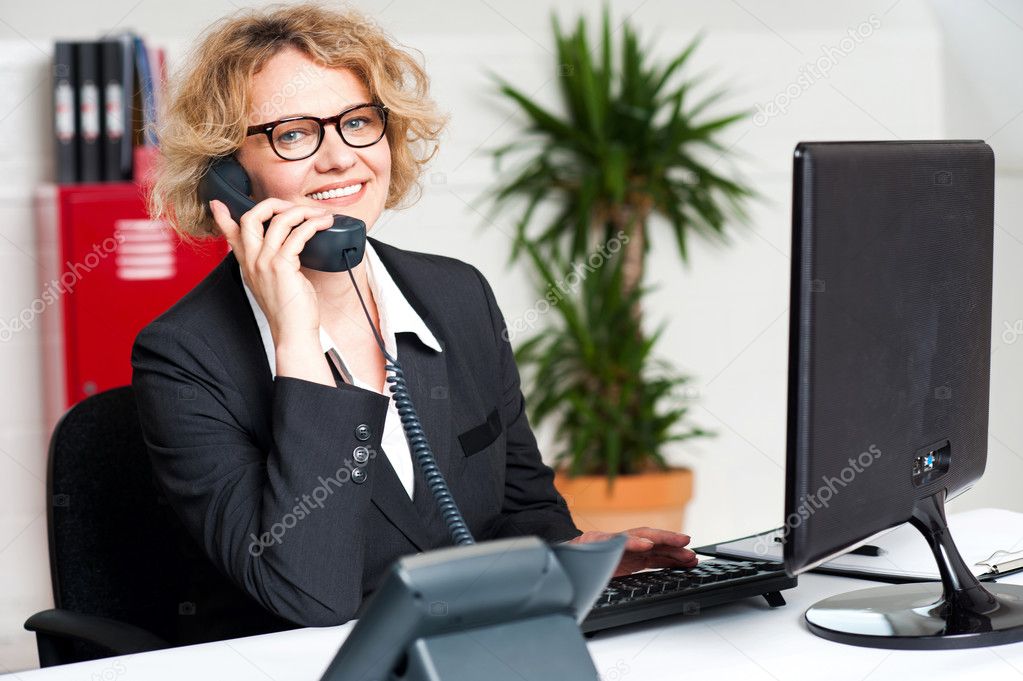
x,y
745,640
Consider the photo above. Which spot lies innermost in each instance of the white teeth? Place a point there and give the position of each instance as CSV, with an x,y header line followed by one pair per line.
x,y
335,193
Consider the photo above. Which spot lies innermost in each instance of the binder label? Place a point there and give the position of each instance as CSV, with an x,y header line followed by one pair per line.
x,y
114,106
89,111
64,101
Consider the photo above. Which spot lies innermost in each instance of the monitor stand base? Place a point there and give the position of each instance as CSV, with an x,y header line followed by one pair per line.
x,y
957,612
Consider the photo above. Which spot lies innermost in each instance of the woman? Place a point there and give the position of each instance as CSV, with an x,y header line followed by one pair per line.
x,y
262,391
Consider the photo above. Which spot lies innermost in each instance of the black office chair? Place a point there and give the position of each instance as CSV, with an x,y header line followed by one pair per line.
x,y
126,576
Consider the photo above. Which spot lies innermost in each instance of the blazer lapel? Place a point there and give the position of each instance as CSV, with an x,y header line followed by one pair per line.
x,y
426,376
391,498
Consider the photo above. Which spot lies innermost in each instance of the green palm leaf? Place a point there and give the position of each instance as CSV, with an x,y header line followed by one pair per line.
x,y
628,144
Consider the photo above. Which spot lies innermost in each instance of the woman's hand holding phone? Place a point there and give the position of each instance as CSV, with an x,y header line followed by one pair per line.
x,y
270,266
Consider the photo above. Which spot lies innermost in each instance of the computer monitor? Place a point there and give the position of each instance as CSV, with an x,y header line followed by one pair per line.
x,y
889,373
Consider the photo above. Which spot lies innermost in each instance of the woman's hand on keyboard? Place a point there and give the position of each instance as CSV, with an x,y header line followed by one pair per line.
x,y
646,547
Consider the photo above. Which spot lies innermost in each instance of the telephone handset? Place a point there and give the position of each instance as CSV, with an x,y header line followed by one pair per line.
x,y
325,251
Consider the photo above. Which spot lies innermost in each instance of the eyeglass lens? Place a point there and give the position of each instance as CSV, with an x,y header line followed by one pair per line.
x,y
300,138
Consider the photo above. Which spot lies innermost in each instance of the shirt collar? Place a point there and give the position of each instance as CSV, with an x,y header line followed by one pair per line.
x,y
401,317
395,312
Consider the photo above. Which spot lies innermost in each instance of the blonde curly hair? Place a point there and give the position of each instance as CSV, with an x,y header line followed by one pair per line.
x,y
205,115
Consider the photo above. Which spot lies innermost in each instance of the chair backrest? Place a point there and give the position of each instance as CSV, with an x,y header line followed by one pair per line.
x,y
116,547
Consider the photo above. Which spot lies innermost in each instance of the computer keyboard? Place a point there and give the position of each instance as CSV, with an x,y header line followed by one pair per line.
x,y
685,591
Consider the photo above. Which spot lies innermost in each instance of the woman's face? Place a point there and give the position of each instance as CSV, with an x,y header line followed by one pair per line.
x,y
291,84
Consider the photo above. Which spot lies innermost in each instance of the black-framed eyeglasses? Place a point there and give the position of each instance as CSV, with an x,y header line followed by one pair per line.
x,y
299,137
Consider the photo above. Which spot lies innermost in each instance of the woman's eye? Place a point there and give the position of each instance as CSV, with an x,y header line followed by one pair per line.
x,y
291,136
360,123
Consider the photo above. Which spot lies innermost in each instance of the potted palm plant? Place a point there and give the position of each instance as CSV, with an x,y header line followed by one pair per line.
x,y
628,146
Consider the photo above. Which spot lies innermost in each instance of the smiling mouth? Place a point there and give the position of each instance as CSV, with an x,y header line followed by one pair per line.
x,y
336,193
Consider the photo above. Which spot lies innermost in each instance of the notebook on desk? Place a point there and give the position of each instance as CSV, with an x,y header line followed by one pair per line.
x,y
990,541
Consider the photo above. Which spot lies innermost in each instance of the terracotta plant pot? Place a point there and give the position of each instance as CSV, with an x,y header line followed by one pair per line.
x,y
656,499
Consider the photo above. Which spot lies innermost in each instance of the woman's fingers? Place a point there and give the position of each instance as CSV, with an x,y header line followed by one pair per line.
x,y
297,239
660,536
290,225
282,230
656,561
222,217
283,222
660,551
681,555
638,544
251,227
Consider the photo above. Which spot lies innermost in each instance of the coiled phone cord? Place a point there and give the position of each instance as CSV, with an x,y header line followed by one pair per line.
x,y
415,436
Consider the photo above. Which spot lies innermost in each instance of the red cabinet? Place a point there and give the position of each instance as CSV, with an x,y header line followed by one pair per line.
x,y
106,270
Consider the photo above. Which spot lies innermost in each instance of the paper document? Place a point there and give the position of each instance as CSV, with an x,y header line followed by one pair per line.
x,y
990,540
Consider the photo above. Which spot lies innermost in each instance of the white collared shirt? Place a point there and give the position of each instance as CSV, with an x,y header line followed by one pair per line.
x,y
396,316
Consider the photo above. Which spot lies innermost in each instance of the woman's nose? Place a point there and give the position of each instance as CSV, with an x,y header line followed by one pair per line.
x,y
333,152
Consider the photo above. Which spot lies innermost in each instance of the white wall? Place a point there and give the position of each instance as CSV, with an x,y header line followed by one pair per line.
x,y
927,70
984,98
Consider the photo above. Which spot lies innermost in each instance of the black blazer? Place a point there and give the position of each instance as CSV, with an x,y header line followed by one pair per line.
x,y
259,470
